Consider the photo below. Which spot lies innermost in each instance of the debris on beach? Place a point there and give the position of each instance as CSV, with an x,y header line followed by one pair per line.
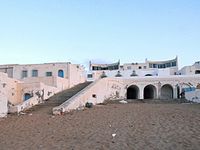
x,y
114,134
123,102
89,105
22,113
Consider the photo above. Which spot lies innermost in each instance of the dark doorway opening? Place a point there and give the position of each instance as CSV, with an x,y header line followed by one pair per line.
x,y
27,96
133,92
149,92
166,92
61,73
197,72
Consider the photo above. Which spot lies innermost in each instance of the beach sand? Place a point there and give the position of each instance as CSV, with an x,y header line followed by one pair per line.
x,y
138,126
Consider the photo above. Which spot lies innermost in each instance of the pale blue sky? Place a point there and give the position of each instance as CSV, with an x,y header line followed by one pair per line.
x,y
39,31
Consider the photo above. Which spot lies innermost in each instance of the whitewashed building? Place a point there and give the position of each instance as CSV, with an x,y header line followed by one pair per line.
x,y
148,68
23,86
190,70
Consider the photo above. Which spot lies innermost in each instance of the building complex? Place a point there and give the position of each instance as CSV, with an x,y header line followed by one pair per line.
x,y
22,86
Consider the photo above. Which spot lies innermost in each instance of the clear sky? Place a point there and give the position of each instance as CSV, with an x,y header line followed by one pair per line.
x,y
39,31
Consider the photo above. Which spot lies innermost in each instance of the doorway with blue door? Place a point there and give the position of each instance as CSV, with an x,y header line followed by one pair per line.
x,y
61,73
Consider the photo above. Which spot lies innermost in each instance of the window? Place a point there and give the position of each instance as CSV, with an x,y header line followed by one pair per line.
x,y
34,73
161,65
173,63
139,67
89,75
24,74
145,67
155,66
48,74
128,67
27,96
168,65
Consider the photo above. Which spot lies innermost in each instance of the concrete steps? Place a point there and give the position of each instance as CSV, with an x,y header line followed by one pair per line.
x,y
57,99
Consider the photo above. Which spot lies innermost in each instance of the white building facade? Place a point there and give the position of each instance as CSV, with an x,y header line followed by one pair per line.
x,y
148,68
23,86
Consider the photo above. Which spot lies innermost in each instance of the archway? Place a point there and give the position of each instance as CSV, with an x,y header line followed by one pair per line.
x,y
61,73
198,86
197,72
149,92
133,92
166,92
27,96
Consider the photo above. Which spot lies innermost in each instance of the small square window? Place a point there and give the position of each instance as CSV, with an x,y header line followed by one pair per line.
x,y
89,76
24,74
128,67
34,73
48,74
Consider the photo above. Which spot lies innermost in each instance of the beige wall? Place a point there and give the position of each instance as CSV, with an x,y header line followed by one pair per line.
x,y
42,69
39,92
76,74
60,83
3,105
10,88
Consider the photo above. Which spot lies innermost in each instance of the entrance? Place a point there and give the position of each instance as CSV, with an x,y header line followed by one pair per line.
x,y
149,92
133,92
166,92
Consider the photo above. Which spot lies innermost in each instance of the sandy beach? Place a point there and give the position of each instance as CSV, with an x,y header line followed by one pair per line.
x,y
134,126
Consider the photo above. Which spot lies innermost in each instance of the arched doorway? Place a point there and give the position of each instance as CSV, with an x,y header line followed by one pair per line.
x,y
27,96
166,92
61,73
150,92
133,92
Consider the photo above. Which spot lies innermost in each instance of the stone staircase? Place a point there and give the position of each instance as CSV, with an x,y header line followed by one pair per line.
x,y
57,99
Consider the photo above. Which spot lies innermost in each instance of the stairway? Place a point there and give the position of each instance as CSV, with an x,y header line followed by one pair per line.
x,y
57,99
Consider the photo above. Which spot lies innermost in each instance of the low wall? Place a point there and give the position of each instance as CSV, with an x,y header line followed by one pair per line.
x,y
25,105
40,93
97,92
193,96
3,106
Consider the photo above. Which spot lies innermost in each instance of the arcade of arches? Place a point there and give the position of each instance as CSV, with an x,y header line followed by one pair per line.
x,y
150,92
